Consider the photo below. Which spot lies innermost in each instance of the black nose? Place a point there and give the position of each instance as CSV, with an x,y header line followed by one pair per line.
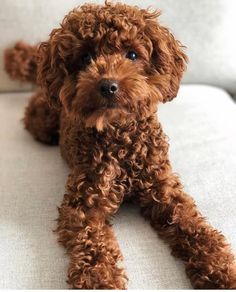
x,y
108,87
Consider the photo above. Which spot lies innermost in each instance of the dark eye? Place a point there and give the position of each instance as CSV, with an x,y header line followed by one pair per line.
x,y
132,55
87,58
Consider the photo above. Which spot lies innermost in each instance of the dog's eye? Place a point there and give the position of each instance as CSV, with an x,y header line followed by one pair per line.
x,y
87,59
132,55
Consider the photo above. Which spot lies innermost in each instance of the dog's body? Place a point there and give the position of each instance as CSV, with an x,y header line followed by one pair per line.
x,y
103,73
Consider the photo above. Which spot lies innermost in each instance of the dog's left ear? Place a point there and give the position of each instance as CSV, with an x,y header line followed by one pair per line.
x,y
168,59
53,75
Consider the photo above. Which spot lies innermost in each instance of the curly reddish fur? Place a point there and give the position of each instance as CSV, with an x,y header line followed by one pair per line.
x,y
20,62
116,147
41,120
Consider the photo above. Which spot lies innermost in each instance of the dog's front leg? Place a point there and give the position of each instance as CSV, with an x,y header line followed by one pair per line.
x,y
85,231
208,258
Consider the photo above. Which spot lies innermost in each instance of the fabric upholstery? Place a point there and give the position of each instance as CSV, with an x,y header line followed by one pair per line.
x,y
32,179
205,27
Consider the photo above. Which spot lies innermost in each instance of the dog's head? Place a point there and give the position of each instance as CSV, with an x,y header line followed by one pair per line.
x,y
108,63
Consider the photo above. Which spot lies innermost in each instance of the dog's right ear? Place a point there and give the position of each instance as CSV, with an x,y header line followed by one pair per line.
x,y
51,68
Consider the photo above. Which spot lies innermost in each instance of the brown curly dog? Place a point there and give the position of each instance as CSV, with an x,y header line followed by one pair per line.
x,y
103,73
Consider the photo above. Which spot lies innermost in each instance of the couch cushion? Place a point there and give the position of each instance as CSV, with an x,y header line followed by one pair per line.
x,y
204,27
203,152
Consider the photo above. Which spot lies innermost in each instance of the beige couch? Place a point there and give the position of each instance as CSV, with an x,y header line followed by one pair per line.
x,y
200,124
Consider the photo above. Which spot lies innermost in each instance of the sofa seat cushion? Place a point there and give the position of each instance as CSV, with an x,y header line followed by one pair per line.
x,y
201,126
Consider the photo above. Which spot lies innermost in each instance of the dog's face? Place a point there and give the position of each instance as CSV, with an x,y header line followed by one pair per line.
x,y
110,63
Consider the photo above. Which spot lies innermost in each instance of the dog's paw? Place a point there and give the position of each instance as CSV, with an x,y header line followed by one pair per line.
x,y
98,276
221,279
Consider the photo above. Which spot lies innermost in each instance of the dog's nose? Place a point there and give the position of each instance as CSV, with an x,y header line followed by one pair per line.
x,y
108,87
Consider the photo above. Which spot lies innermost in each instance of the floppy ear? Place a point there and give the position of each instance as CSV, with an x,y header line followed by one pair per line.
x,y
52,70
168,59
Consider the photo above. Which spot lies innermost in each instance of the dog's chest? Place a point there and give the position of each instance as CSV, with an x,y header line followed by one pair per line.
x,y
124,152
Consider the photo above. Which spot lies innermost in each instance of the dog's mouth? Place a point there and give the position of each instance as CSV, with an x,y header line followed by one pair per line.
x,y
111,103
101,107
104,103
101,116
